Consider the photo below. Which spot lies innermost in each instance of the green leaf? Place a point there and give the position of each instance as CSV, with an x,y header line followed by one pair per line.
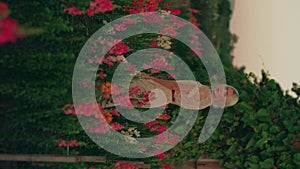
x,y
231,150
260,143
274,129
262,113
272,84
250,143
296,159
244,107
267,164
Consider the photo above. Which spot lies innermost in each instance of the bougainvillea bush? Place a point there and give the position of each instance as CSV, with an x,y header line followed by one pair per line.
x,y
261,131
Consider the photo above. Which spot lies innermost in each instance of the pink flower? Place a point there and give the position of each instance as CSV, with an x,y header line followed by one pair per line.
x,y
153,18
73,11
155,70
69,109
166,166
180,24
116,126
71,143
168,30
86,109
106,96
159,139
110,64
127,22
124,101
102,75
119,49
120,27
135,90
100,6
101,128
62,143
194,10
123,165
114,112
131,68
173,76
100,60
159,128
86,84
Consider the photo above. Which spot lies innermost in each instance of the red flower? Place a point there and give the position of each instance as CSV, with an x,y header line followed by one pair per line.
x,y
135,90
116,126
176,12
153,44
166,166
164,117
8,31
151,123
119,49
139,6
159,128
193,20
90,12
161,156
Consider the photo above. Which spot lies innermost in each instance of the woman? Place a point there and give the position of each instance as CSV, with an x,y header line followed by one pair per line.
x,y
187,94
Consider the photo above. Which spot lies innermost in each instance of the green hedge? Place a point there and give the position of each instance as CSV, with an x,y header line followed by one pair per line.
x,y
259,132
